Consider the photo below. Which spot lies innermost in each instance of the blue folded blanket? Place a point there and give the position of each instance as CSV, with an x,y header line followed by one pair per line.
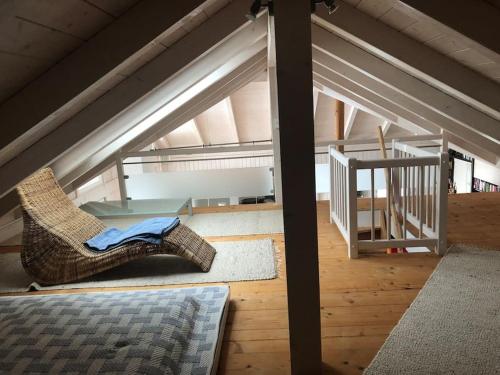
x,y
150,230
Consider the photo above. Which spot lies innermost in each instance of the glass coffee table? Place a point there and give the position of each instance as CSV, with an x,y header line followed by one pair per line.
x,y
138,207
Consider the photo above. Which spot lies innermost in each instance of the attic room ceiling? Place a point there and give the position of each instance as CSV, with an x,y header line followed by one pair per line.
x,y
406,20
36,34
409,81
247,119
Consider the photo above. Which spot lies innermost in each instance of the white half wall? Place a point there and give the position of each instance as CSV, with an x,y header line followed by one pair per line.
x,y
487,172
225,183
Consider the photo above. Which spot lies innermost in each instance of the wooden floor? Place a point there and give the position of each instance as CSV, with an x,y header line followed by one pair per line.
x,y
361,300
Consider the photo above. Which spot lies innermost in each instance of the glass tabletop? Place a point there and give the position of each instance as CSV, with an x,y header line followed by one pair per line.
x,y
165,207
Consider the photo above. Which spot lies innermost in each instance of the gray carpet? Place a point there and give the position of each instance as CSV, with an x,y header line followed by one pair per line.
x,y
453,326
234,261
170,331
222,224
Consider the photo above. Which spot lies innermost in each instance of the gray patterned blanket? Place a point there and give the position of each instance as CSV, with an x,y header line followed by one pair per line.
x,y
169,331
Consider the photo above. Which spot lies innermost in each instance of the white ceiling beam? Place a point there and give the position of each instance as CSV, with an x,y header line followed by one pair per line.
x,y
388,81
22,113
385,127
412,56
240,77
390,100
407,85
232,120
315,101
138,121
194,45
199,150
96,164
349,121
400,114
199,135
334,90
78,160
476,20
386,109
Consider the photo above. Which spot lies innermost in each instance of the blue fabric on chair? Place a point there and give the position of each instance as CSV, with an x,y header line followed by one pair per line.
x,y
150,230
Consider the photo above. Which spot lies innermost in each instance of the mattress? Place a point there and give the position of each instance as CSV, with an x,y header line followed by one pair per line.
x,y
167,331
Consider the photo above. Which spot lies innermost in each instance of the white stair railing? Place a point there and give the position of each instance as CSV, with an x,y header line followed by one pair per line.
x,y
417,185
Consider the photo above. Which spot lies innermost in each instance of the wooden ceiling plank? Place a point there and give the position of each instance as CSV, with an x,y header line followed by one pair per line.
x,y
95,58
351,117
477,20
412,56
181,54
405,84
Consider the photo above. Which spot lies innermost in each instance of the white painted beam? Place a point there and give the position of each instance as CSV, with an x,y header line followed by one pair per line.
x,y
315,101
351,117
136,125
386,81
199,135
199,150
232,120
399,114
412,56
405,84
116,135
385,127
23,112
336,91
476,20
239,77
274,110
97,163
176,58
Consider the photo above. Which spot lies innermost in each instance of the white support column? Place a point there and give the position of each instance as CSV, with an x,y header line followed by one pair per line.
x,y
232,119
198,132
121,178
385,126
442,204
315,101
273,97
352,209
444,141
349,122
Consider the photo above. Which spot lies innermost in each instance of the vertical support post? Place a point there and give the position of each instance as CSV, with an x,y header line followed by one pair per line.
x,y
339,123
442,204
121,178
372,203
422,201
330,168
352,208
296,118
444,141
273,98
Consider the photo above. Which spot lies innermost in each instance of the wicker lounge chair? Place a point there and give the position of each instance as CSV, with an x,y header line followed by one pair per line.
x,y
55,231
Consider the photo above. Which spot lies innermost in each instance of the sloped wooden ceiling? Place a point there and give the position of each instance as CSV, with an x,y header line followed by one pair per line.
x,y
440,37
35,34
373,54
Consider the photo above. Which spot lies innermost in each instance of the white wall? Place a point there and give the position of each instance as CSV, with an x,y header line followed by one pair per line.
x,y
105,189
487,172
202,184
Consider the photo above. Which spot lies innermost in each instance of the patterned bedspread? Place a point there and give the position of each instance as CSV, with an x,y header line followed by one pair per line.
x,y
169,331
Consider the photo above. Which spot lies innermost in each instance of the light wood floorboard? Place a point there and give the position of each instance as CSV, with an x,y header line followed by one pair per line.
x,y
361,300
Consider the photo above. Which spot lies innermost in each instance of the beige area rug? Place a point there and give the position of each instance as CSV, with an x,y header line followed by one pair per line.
x,y
453,325
234,261
238,223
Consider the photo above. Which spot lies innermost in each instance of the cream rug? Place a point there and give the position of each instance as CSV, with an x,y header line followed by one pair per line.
x,y
222,224
234,261
453,326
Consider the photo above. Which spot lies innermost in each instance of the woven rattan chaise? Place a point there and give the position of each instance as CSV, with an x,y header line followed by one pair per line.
x,y
55,231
